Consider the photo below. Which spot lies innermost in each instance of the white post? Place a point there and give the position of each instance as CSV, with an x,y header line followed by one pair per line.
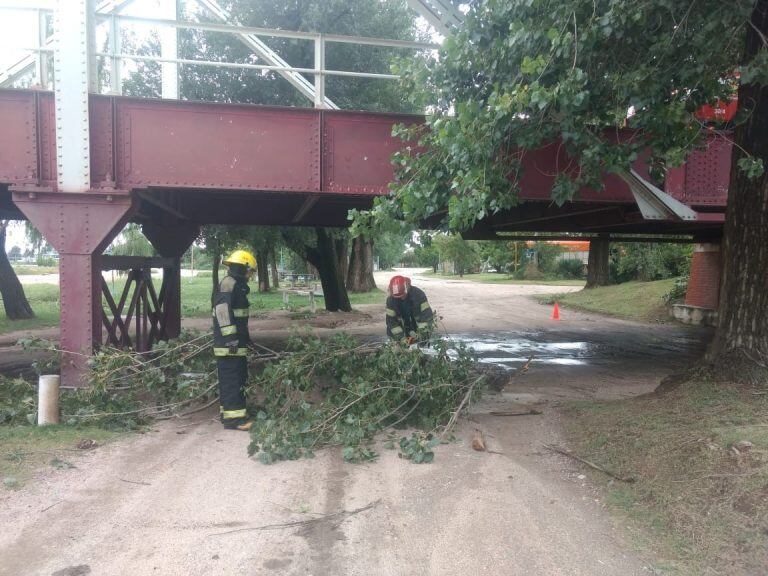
x,y
312,305
115,47
48,400
71,63
319,72
169,47
42,57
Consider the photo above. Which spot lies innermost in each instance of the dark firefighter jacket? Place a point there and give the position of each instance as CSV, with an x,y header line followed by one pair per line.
x,y
230,317
411,316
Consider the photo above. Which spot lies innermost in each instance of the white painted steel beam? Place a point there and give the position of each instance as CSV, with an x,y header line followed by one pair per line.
x,y
266,53
116,47
655,204
72,68
41,72
442,15
319,77
275,33
236,65
169,48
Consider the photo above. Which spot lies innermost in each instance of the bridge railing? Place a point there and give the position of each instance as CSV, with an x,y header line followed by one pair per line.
x,y
107,23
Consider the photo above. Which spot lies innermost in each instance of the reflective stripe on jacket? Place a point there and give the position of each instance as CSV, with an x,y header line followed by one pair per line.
x,y
411,316
230,316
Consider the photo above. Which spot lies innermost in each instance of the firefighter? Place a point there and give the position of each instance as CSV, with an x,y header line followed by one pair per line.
x,y
409,317
231,338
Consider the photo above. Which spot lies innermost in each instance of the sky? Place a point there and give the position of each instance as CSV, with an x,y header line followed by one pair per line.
x,y
17,28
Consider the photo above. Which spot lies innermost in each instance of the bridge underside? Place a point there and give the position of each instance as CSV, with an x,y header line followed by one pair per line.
x,y
173,166
591,218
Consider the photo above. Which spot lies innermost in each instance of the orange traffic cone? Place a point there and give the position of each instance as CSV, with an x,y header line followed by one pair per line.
x,y
556,312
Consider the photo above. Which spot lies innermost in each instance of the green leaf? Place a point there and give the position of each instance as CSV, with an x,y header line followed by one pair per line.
x,y
752,167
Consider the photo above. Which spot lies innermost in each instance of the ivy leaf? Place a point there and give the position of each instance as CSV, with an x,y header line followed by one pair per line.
x,y
752,167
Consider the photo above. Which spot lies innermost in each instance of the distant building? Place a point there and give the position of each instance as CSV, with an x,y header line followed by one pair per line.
x,y
573,250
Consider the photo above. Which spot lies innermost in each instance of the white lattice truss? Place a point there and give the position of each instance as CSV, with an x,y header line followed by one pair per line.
x,y
442,15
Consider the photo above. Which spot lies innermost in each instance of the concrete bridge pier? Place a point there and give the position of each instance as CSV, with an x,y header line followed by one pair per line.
x,y
79,226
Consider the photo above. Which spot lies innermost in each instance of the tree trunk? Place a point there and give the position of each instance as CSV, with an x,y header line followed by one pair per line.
x,y
743,310
360,274
342,253
597,265
14,300
325,259
262,269
273,266
327,264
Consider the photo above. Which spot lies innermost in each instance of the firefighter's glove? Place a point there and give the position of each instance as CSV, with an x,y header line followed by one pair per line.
x,y
410,340
232,347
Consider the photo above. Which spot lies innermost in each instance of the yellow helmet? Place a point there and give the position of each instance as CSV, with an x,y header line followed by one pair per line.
x,y
241,257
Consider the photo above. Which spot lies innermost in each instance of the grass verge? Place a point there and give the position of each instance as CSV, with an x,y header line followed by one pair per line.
x,y
643,301
31,270
699,454
44,300
195,302
26,449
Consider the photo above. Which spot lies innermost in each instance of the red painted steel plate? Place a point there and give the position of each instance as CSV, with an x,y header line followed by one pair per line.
x,y
18,144
193,145
539,170
46,126
102,145
357,153
708,174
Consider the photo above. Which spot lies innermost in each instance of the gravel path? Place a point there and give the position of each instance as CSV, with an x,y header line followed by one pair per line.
x,y
187,500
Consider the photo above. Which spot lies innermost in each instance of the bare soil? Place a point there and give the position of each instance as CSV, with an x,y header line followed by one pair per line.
x,y
185,499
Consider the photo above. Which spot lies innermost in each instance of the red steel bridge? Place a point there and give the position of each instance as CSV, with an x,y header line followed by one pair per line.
x,y
80,165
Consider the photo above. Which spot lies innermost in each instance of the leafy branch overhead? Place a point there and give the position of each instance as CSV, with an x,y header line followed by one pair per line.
x,y
519,75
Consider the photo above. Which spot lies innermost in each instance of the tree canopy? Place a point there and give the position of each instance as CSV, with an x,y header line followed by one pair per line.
x,y
518,75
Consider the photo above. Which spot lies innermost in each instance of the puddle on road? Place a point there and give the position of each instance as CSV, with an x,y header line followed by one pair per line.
x,y
513,351
510,350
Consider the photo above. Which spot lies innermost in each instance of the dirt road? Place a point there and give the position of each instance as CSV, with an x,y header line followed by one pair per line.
x,y
187,501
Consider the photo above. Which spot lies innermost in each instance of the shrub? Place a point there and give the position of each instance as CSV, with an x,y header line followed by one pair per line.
x,y
678,291
570,269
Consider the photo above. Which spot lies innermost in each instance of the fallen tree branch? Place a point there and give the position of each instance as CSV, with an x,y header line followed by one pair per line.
x,y
455,415
530,412
341,515
51,506
564,452
135,482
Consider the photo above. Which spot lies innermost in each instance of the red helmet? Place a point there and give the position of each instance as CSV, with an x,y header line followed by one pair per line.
x,y
399,286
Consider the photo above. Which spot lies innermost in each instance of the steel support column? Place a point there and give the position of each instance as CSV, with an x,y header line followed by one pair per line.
x,y
79,226
171,242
